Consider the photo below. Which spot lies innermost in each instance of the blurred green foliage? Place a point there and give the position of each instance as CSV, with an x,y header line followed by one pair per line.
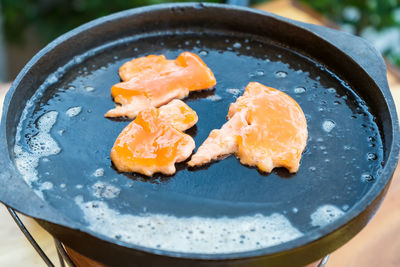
x,y
51,18
376,13
376,20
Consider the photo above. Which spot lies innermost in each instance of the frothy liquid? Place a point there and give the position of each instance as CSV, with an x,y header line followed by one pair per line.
x,y
72,112
325,215
40,145
190,234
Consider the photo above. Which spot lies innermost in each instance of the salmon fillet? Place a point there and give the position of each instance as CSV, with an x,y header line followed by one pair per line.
x,y
153,81
265,128
151,63
154,141
178,114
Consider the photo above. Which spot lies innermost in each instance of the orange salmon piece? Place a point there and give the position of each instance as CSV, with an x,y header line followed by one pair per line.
x,y
178,114
154,141
153,81
265,128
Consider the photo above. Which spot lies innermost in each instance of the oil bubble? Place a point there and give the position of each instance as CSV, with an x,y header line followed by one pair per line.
x,y
328,125
99,172
371,156
203,53
366,177
299,90
237,45
260,72
281,74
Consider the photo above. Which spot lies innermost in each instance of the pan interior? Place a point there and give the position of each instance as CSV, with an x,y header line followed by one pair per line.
x,y
341,162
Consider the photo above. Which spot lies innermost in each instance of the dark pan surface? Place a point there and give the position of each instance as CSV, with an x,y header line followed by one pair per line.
x,y
338,167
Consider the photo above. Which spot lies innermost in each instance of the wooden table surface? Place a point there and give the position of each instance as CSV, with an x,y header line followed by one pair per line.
x,y
378,244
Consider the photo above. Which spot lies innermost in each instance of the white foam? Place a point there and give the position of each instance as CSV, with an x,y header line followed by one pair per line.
x,y
46,186
104,190
99,172
89,88
40,145
328,125
72,112
189,234
214,98
325,214
233,91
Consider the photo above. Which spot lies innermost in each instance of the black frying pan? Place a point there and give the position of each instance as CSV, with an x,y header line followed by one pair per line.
x,y
339,81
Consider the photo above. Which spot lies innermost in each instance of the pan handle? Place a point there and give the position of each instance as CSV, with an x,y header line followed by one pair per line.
x,y
359,49
371,61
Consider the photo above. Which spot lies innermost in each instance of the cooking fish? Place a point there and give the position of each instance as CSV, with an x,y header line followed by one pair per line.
x,y
154,141
265,128
153,81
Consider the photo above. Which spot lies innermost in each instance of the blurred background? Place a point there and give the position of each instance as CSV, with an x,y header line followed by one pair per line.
x,y
28,25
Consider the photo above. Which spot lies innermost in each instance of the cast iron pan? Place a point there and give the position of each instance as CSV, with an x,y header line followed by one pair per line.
x,y
339,81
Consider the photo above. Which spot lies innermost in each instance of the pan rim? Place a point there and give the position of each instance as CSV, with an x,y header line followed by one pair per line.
x,y
310,237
